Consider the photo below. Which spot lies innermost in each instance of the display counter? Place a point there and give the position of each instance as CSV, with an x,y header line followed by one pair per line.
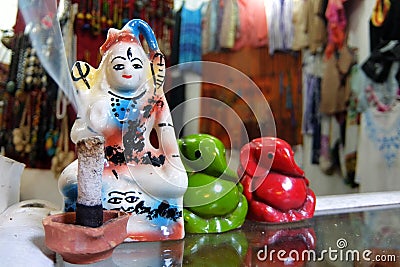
x,y
354,234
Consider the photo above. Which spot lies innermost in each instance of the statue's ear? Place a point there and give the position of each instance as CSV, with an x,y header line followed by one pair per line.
x,y
82,75
158,67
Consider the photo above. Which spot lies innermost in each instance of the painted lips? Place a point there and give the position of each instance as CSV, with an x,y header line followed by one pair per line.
x,y
126,76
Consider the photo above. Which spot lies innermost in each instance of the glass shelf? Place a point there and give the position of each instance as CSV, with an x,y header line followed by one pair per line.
x,y
342,239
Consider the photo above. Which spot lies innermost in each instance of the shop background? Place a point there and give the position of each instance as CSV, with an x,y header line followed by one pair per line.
x,y
41,184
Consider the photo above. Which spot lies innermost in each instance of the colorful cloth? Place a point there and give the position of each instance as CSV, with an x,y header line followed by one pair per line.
x,y
299,19
335,88
174,58
210,28
378,158
229,24
337,23
370,93
280,27
190,39
312,100
316,26
252,30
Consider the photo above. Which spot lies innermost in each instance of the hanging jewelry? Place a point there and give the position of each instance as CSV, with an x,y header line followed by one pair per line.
x,y
88,15
63,156
51,137
20,78
32,147
21,135
95,22
111,7
115,13
126,12
104,14
137,10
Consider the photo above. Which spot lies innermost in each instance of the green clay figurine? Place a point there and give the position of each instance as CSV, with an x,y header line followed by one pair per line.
x,y
213,202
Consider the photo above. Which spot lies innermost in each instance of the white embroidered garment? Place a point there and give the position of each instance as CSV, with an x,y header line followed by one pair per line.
x,y
378,159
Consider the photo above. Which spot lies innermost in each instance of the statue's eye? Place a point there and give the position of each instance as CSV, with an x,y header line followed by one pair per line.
x,y
131,199
137,66
119,67
115,200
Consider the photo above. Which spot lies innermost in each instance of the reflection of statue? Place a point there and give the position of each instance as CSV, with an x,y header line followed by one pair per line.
x,y
123,101
286,245
222,249
148,254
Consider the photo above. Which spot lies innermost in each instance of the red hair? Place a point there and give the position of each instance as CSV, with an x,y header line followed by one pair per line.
x,y
115,36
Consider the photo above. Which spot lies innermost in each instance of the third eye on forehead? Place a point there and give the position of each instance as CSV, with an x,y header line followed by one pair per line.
x,y
129,53
131,57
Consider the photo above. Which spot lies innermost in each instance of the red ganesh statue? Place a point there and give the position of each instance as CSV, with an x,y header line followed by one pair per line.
x,y
274,185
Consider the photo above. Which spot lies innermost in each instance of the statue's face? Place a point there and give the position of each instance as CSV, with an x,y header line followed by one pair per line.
x,y
126,67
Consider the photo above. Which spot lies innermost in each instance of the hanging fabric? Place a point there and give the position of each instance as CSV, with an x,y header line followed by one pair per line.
x,y
245,26
312,116
379,63
351,138
378,158
299,20
337,24
210,27
190,37
229,20
174,59
316,26
252,29
370,93
279,15
335,87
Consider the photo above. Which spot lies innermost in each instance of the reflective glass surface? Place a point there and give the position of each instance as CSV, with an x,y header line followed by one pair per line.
x,y
367,238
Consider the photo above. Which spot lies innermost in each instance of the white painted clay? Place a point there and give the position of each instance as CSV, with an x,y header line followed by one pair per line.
x,y
123,101
10,181
22,234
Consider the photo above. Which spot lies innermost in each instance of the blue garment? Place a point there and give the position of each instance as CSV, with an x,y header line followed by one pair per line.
x,y
123,108
190,39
